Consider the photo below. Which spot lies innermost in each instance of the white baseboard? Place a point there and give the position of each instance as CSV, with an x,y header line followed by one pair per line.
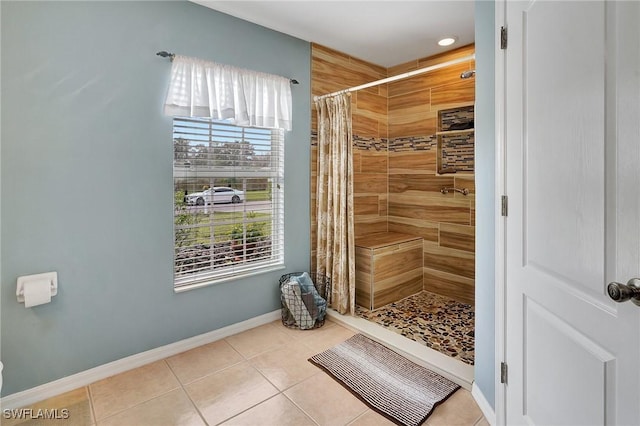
x,y
484,405
84,378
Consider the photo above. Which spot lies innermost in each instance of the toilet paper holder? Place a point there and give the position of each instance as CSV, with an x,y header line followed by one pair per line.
x,y
51,276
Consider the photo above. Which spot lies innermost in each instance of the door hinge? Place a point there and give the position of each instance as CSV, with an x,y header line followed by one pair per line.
x,y
503,38
503,372
505,205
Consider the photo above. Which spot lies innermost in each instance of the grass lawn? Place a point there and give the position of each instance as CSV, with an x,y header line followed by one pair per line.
x,y
258,195
196,228
200,226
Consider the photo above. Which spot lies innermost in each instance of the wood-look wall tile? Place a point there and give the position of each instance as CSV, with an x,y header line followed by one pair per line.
x,y
460,52
383,205
402,68
364,126
346,74
383,90
314,120
322,54
370,183
409,162
447,210
465,181
452,95
374,162
419,185
427,230
327,53
375,104
408,199
440,200
377,72
457,262
357,168
417,102
364,257
398,287
430,213
313,182
364,277
365,205
450,285
440,77
364,225
472,199
461,237
380,118
383,129
314,160
409,85
367,71
324,87
388,266
412,124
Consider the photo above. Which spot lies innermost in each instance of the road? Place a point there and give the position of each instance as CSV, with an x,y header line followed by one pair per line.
x,y
264,206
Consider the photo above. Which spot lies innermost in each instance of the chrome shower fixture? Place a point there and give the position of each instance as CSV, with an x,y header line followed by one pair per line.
x,y
468,74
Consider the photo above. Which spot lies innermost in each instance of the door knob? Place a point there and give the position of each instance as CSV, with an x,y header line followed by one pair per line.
x,y
623,292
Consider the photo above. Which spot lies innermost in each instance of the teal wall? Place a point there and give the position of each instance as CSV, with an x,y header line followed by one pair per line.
x,y
86,179
485,359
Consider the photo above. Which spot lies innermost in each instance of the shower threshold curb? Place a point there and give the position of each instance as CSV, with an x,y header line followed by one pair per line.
x,y
454,370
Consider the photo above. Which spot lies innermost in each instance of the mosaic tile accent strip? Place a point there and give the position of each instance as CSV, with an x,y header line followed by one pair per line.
x,y
366,144
457,152
457,116
413,143
370,144
435,321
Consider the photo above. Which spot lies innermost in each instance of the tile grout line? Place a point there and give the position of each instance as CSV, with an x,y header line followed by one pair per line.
x,y
299,407
280,392
185,391
93,411
246,360
147,400
134,406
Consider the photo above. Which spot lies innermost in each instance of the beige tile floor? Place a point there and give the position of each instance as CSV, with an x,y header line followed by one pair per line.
x,y
258,377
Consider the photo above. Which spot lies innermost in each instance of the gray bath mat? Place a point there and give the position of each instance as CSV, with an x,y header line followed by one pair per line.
x,y
395,387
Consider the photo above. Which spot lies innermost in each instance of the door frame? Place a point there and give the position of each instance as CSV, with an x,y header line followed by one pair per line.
x,y
500,221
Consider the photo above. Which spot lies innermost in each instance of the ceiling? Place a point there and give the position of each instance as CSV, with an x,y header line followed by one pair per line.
x,y
385,33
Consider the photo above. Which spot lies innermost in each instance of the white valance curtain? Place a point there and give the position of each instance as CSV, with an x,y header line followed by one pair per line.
x,y
206,89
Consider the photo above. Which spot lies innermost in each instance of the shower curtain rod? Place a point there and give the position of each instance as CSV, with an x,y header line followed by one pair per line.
x,y
397,77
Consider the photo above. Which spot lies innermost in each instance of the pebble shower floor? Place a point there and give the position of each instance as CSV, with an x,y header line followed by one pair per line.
x,y
435,321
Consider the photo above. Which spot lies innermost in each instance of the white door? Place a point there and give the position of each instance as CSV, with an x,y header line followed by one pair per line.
x,y
572,95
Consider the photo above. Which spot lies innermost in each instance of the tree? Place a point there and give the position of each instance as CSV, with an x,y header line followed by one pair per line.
x,y
236,154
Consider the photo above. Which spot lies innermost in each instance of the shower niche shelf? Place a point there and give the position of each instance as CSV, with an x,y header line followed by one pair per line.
x,y
455,140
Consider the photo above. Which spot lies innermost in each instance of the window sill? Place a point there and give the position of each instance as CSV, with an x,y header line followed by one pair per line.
x,y
219,280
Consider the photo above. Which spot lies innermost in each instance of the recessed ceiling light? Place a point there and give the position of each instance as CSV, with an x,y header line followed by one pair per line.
x,y
447,41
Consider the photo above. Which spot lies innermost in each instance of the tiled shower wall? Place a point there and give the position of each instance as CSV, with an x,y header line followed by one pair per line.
x,y
396,187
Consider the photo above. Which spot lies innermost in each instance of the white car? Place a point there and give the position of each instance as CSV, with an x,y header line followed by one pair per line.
x,y
217,194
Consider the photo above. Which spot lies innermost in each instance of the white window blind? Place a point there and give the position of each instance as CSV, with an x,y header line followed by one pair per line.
x,y
229,206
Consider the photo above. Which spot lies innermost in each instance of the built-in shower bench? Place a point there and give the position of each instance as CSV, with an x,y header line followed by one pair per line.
x,y
388,268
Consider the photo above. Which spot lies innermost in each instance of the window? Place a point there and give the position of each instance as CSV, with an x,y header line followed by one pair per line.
x,y
229,206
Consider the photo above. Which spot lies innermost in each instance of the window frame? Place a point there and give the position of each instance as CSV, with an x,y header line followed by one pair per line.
x,y
274,175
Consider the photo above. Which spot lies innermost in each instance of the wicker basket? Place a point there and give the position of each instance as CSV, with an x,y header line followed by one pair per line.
x,y
321,282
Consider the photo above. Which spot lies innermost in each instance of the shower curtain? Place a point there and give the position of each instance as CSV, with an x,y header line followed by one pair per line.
x,y
335,245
